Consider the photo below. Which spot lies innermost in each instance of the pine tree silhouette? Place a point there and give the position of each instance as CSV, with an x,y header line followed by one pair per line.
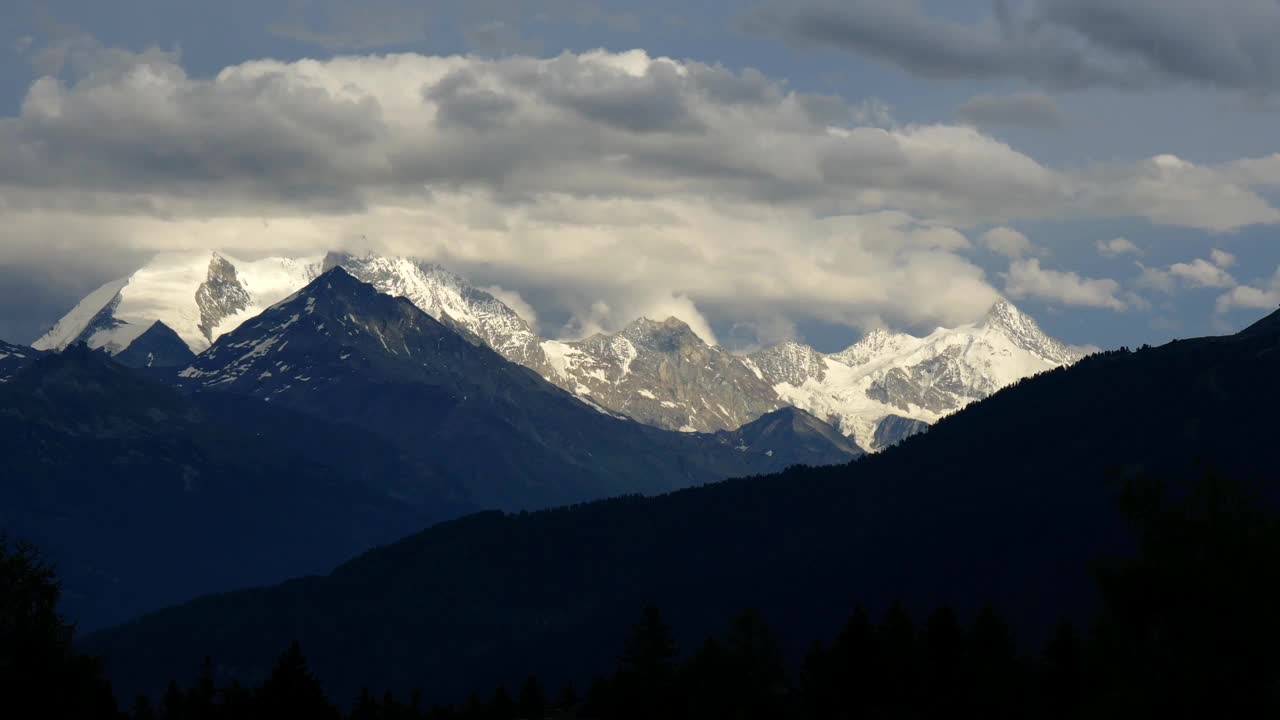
x,y
293,691
533,701
643,687
41,675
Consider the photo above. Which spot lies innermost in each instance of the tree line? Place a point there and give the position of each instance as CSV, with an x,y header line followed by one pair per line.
x,y
1187,628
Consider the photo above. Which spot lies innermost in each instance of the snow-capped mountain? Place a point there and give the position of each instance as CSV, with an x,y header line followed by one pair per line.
x,y
893,377
197,296
13,358
660,373
439,293
344,351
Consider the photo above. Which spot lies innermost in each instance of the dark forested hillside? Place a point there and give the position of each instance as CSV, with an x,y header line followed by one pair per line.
x,y
1007,503
145,497
337,421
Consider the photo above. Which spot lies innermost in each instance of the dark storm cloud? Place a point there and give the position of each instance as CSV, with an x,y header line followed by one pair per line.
x,y
1059,44
462,103
1029,110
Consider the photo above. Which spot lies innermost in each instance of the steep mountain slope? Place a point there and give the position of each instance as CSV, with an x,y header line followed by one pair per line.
x,y
158,347
894,376
791,436
13,358
198,296
922,522
440,294
339,349
145,497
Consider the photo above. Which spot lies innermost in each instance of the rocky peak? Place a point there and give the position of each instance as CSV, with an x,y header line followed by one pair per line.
x,y
789,362
669,335
220,296
1025,333
877,344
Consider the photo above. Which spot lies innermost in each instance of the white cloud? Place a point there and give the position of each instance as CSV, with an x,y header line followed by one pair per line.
x,y
1027,279
516,302
1222,258
1007,242
1264,296
1116,247
1171,191
612,184
1201,273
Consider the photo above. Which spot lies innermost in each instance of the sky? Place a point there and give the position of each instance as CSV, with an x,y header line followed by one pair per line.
x,y
782,169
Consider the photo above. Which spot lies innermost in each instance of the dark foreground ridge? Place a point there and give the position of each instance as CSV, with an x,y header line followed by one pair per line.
x,y
1007,504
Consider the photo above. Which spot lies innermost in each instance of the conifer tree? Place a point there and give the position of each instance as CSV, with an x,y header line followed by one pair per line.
x,y
502,707
644,685
293,691
533,702
41,675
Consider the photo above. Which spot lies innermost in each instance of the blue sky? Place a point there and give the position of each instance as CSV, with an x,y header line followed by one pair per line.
x,y
804,169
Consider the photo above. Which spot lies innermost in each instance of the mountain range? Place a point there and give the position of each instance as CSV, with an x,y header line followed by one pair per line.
x,y
339,413
1008,502
658,372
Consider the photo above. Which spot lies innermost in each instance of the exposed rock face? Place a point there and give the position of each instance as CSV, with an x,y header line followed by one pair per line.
x,y
663,374
220,296
789,362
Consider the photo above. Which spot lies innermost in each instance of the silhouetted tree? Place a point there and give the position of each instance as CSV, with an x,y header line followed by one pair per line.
x,y
897,681
643,686
293,691
143,709
1189,626
943,646
533,701
567,700
994,678
501,707
1061,686
40,673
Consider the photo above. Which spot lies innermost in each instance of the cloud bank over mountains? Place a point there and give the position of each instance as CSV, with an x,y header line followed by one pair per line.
x,y
610,185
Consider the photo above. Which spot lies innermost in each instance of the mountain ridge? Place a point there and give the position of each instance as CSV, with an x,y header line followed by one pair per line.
x,y
655,371
918,523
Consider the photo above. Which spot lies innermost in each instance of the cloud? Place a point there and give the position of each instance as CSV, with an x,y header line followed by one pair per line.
x,y
1007,242
1171,191
516,302
1058,44
641,184
1156,279
1028,110
1264,296
1201,273
1198,273
1027,279
1116,247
